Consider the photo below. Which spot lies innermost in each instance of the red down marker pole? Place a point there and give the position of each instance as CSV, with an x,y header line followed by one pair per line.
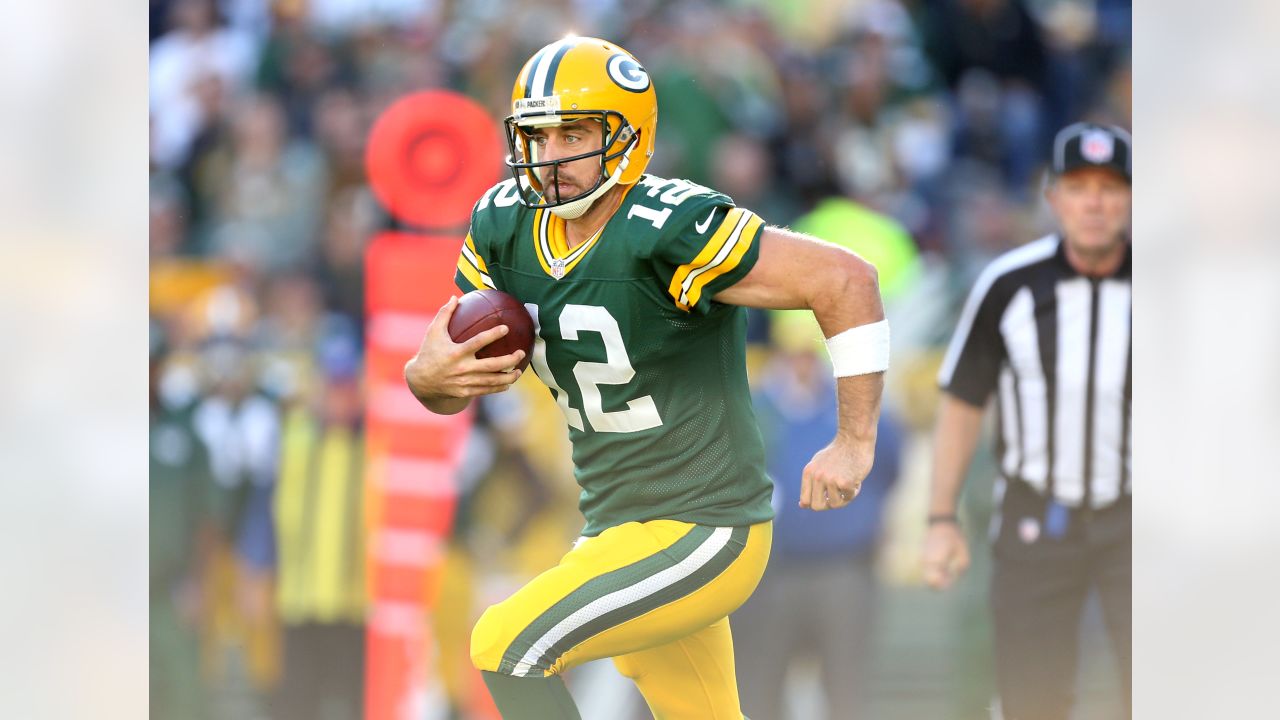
x,y
430,155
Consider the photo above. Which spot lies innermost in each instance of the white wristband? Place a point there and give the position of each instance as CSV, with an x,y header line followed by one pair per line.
x,y
860,350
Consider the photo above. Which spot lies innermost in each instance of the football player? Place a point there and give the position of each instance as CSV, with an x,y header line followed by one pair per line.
x,y
637,286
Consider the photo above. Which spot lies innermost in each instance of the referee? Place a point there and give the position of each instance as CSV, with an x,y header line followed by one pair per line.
x,y
1047,327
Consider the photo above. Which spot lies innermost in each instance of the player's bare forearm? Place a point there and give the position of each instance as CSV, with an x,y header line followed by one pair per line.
x,y
859,401
955,438
796,271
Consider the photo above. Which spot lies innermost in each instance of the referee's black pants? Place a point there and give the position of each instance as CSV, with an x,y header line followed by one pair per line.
x,y
1046,562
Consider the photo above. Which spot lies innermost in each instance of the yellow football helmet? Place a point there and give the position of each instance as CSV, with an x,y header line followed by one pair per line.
x,y
573,79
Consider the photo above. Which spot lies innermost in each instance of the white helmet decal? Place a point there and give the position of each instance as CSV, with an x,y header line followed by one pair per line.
x,y
627,73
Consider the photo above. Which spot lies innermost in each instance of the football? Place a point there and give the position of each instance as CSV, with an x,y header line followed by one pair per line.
x,y
480,310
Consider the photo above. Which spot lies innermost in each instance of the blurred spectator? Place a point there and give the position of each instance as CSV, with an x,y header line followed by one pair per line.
x,y
879,239
1116,104
880,67
341,127
321,535
241,428
998,36
712,81
343,15
819,595
167,226
340,267
203,162
741,168
803,150
288,334
179,491
268,191
298,68
196,45
990,53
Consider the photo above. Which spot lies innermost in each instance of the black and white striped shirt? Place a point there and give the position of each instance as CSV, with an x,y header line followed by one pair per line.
x,y
1055,345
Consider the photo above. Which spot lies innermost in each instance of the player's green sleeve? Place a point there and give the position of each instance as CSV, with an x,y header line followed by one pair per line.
x,y
473,272
707,254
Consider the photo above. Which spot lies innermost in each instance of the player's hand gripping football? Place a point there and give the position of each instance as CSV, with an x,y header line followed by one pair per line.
x,y
444,370
946,555
833,478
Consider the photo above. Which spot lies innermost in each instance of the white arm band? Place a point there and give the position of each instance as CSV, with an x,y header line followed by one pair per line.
x,y
860,350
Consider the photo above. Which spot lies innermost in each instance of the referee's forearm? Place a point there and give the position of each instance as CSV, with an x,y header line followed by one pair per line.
x,y
955,439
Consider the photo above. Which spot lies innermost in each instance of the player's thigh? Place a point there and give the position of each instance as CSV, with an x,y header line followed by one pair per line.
x,y
690,678
693,591
633,586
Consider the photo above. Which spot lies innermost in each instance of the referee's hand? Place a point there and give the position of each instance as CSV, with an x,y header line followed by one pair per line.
x,y
946,555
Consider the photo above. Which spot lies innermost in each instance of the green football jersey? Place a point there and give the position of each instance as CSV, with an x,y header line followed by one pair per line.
x,y
648,370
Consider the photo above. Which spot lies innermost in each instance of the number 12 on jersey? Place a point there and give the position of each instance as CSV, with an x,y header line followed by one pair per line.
x,y
641,412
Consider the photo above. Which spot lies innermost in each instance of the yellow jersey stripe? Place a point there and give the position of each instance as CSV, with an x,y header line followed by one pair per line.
x,y
557,238
713,252
469,244
709,251
474,260
740,246
540,247
477,279
550,241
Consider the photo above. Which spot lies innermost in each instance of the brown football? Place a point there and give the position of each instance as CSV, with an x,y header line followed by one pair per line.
x,y
480,310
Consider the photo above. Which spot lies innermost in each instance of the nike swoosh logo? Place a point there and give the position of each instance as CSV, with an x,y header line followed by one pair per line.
x,y
702,226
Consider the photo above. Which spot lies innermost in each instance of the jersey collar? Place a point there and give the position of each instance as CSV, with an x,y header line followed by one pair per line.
x,y
551,242
1124,272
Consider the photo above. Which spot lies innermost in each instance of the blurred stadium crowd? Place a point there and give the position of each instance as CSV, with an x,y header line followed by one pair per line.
x,y
913,131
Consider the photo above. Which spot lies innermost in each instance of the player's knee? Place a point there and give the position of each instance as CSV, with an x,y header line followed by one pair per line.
x,y
487,641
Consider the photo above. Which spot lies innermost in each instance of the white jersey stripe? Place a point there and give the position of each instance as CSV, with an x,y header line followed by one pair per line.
x,y
1028,254
1022,340
721,255
1111,362
1010,422
1075,307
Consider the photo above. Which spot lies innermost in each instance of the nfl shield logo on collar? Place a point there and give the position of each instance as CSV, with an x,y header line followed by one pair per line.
x,y
557,268
1097,146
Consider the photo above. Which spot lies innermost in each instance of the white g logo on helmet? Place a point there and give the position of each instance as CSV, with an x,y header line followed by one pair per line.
x,y
627,73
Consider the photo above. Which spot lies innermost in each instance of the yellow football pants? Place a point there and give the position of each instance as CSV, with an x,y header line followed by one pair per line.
x,y
653,596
